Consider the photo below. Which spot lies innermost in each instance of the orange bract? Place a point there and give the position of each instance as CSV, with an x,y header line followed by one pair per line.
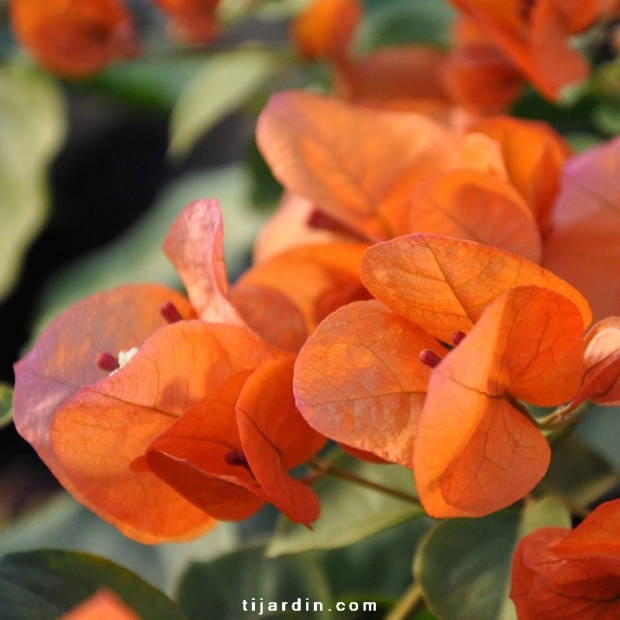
x,y
74,37
535,37
444,284
476,451
360,183
358,379
562,574
471,205
325,28
193,21
582,246
534,156
101,605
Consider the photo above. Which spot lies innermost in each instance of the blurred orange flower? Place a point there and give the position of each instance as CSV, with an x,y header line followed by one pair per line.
x,y
535,36
325,28
101,605
74,38
559,574
193,21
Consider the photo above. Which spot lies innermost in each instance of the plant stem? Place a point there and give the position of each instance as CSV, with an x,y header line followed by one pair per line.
x,y
408,603
324,469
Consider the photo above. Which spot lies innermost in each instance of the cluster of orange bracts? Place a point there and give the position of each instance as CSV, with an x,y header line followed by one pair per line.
x,y
429,274
75,38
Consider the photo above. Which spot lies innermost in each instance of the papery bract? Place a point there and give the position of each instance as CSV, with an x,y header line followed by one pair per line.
x,y
358,379
315,280
361,184
231,452
101,605
194,21
570,575
476,451
582,246
535,37
534,156
74,38
480,207
444,284
325,28
601,380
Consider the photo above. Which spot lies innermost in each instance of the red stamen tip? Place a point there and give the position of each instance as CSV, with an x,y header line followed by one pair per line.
x,y
457,337
236,458
429,358
106,361
170,312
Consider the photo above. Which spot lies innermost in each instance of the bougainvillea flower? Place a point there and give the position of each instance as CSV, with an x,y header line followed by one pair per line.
x,y
74,38
535,36
364,385
101,605
325,28
476,450
231,452
534,155
193,21
76,414
582,246
559,574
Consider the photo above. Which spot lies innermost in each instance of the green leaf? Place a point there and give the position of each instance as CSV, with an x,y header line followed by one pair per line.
x,y
223,84
137,255
579,473
148,82
247,576
350,512
401,22
600,429
42,585
6,404
463,566
62,523
32,126
376,568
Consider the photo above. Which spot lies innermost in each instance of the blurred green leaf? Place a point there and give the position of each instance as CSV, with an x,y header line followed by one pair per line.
x,y
600,429
367,571
401,22
222,585
349,512
606,117
42,585
64,524
6,404
579,473
225,81
32,126
463,566
137,255
153,82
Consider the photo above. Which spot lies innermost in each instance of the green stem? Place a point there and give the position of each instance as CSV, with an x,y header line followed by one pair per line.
x,y
324,469
408,603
